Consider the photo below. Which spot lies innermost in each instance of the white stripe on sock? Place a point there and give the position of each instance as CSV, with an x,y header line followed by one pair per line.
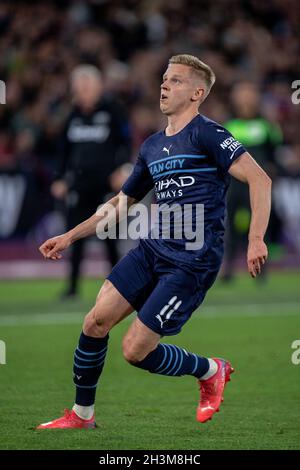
x,y
213,367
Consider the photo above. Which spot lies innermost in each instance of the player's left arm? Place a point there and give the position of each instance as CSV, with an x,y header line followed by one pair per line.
x,y
246,169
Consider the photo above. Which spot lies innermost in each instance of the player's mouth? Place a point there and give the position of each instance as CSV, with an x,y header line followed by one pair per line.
x,y
163,97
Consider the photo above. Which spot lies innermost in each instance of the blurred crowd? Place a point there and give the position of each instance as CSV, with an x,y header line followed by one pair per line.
x,y
131,41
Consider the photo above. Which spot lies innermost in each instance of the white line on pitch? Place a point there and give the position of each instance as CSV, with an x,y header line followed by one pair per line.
x,y
209,311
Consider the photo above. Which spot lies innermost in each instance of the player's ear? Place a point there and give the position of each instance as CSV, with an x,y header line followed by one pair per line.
x,y
198,94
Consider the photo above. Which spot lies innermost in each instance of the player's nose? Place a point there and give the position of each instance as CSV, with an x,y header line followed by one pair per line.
x,y
164,86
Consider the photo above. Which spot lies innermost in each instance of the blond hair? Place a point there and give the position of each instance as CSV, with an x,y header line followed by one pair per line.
x,y
201,69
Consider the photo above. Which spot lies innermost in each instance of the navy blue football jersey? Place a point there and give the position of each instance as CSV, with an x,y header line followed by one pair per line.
x,y
190,167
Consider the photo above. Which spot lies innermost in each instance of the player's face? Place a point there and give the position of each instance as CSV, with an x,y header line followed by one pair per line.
x,y
180,89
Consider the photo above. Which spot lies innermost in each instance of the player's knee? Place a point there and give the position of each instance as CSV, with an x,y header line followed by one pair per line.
x,y
95,326
131,352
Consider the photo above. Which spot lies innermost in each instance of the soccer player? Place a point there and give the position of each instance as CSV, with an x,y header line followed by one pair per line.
x,y
189,162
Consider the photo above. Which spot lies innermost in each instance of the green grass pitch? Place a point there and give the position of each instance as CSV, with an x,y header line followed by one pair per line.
x,y
252,324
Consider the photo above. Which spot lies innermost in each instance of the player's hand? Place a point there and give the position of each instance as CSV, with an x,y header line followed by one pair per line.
x,y
256,256
52,248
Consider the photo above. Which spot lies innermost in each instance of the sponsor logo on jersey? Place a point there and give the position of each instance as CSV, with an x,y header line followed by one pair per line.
x,y
231,144
171,187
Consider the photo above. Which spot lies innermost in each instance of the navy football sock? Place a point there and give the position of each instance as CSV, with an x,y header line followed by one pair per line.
x,y
168,359
89,360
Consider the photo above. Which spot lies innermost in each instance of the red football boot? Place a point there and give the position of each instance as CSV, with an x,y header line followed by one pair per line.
x,y
211,390
69,420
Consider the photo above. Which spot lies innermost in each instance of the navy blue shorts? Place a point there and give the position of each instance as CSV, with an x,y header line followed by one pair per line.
x,y
163,294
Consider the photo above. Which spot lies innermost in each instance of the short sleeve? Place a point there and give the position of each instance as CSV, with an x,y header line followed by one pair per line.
x,y
139,182
221,145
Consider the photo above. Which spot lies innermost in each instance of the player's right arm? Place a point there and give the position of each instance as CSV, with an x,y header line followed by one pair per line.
x,y
110,212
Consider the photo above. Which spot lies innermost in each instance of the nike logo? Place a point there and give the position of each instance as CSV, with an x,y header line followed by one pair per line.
x,y
220,130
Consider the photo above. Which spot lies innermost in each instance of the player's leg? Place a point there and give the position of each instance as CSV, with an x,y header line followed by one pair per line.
x,y
110,308
175,297
142,348
128,284
89,357
126,287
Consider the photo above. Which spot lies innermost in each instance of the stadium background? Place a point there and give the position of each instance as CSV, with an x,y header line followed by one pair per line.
x,y
252,323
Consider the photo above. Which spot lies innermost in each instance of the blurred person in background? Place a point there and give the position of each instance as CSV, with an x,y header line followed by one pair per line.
x,y
287,195
94,145
261,137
